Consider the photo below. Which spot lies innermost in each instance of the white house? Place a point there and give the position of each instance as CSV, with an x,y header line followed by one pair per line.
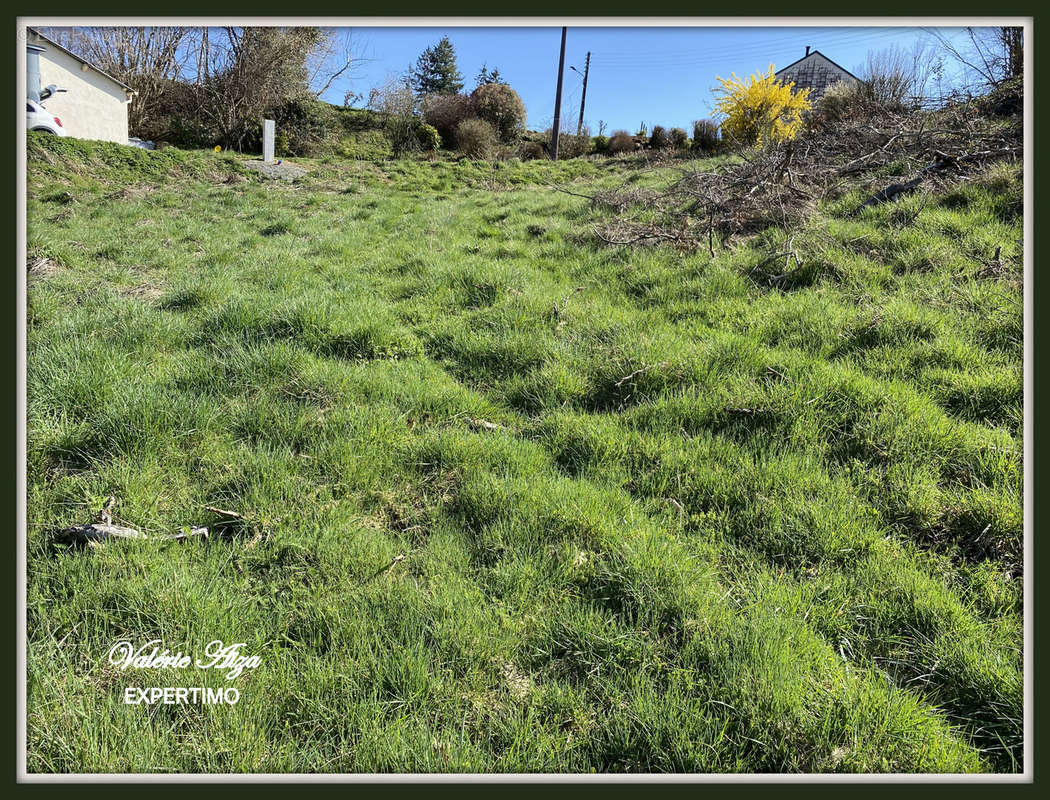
x,y
94,105
816,72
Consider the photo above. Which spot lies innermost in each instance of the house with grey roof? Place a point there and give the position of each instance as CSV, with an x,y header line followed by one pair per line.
x,y
816,72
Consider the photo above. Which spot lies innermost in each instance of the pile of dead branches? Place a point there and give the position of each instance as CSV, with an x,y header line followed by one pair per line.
x,y
783,183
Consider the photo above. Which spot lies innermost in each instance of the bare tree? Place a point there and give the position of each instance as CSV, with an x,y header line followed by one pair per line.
x,y
400,108
896,77
988,55
333,57
251,72
145,58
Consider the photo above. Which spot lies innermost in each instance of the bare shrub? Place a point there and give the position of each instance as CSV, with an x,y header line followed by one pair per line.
x,y
258,70
398,105
530,150
843,99
476,138
896,78
445,112
569,144
989,55
621,142
679,138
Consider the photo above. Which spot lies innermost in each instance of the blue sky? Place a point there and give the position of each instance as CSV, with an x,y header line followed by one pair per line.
x,y
657,75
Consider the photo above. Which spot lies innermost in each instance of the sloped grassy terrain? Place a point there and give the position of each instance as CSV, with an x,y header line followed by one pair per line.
x,y
653,514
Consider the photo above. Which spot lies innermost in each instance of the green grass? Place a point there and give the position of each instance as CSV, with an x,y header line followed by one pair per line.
x,y
712,526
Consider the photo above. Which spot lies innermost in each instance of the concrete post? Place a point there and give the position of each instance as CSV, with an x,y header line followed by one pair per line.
x,y
268,134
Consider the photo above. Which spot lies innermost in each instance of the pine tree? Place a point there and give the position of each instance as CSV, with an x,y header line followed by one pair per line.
x,y
436,71
485,77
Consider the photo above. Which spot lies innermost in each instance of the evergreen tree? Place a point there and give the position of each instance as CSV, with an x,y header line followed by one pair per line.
x,y
436,71
485,77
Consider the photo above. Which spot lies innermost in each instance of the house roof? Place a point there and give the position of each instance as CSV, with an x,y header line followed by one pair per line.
x,y
812,53
82,60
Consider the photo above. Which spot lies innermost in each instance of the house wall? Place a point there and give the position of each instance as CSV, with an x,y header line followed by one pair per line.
x,y
815,73
94,107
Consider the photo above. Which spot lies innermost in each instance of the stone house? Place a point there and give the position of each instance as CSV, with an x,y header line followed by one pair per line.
x,y
816,72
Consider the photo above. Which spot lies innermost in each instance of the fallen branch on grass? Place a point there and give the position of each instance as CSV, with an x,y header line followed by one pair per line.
x,y
103,529
943,163
397,560
482,424
637,372
563,190
776,280
98,532
781,184
892,191
634,374
223,513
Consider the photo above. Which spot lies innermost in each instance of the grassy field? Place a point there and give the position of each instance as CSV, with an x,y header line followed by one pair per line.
x,y
512,500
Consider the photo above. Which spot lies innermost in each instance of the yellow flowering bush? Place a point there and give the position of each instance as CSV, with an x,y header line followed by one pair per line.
x,y
760,109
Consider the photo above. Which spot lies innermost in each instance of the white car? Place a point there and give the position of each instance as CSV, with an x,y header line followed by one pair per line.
x,y
39,119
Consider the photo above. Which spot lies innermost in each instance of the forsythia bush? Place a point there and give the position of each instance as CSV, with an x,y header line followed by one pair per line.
x,y
761,109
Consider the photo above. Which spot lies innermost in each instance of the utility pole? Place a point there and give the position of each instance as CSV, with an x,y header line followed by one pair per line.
x,y
583,99
557,100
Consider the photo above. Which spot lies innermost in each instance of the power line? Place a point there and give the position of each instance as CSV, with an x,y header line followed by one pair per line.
x,y
710,58
568,101
636,62
781,41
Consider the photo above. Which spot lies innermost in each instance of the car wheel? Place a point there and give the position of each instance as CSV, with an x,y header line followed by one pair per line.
x,y
45,130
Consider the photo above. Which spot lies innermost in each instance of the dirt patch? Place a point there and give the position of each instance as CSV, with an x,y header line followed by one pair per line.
x,y
276,171
147,292
517,684
40,267
133,192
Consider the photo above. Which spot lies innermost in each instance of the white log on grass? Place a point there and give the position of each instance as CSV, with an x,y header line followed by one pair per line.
x,y
100,532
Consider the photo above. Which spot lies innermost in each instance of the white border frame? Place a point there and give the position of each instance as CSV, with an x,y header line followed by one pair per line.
x,y
531,22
